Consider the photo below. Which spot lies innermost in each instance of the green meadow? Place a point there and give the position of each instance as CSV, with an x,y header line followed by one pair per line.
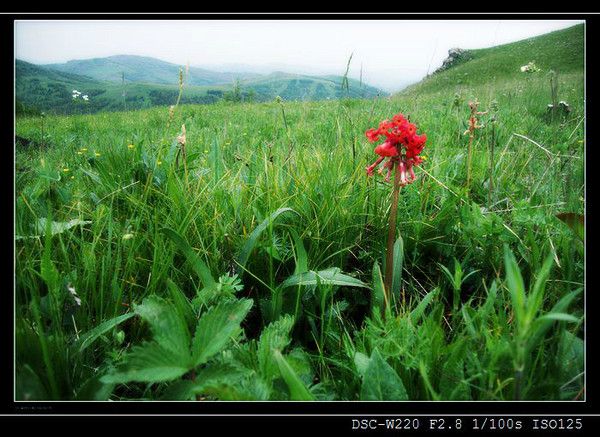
x,y
249,265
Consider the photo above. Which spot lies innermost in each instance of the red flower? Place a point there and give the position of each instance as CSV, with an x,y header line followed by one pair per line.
x,y
402,145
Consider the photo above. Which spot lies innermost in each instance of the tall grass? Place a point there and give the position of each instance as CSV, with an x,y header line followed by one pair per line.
x,y
313,331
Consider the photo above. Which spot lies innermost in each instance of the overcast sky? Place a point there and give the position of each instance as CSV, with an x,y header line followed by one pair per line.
x,y
391,53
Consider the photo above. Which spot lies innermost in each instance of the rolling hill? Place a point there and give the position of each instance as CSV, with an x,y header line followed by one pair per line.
x,y
144,69
561,51
150,82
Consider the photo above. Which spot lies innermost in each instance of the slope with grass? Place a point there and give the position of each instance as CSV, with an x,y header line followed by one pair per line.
x,y
250,267
560,51
151,82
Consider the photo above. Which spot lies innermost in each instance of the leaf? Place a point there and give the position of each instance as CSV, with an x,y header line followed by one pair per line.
x,y
58,227
29,386
93,334
516,287
559,317
398,262
541,326
381,382
216,327
571,356
378,295
452,385
169,329
417,313
361,361
274,337
197,264
149,362
248,247
537,293
332,276
182,304
300,252
298,391
574,221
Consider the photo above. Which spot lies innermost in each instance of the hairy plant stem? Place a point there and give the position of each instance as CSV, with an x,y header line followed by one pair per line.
x,y
469,161
389,260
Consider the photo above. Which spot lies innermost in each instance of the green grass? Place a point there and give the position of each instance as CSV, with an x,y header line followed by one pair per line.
x,y
252,271
39,88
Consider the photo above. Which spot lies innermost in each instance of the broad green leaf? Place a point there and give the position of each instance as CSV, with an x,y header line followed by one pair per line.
x,y
197,264
361,362
274,337
93,334
180,390
58,227
169,329
571,356
216,327
149,362
217,379
248,247
381,382
332,276
298,391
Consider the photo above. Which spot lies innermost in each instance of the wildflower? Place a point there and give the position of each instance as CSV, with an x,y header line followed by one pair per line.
x,y
402,146
473,121
84,149
181,138
66,170
159,162
97,154
127,237
131,146
79,152
85,97
530,68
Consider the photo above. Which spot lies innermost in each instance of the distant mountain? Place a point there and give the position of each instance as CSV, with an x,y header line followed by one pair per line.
x,y
143,69
150,82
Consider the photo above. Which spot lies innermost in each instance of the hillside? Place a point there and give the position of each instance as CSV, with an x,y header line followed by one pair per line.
x,y
145,70
49,89
561,51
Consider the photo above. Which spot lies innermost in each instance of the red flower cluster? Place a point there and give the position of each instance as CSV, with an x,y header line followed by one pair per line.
x,y
402,145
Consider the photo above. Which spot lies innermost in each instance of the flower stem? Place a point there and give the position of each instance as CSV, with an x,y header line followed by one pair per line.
x,y
469,161
389,260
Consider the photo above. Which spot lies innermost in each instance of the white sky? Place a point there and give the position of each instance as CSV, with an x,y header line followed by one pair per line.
x,y
392,53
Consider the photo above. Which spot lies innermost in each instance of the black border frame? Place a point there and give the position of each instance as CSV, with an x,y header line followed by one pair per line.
x,y
358,408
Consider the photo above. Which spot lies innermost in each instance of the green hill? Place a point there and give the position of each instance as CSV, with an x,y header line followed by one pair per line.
x,y
48,89
561,51
145,70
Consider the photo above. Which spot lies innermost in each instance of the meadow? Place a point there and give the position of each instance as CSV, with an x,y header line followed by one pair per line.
x,y
249,266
